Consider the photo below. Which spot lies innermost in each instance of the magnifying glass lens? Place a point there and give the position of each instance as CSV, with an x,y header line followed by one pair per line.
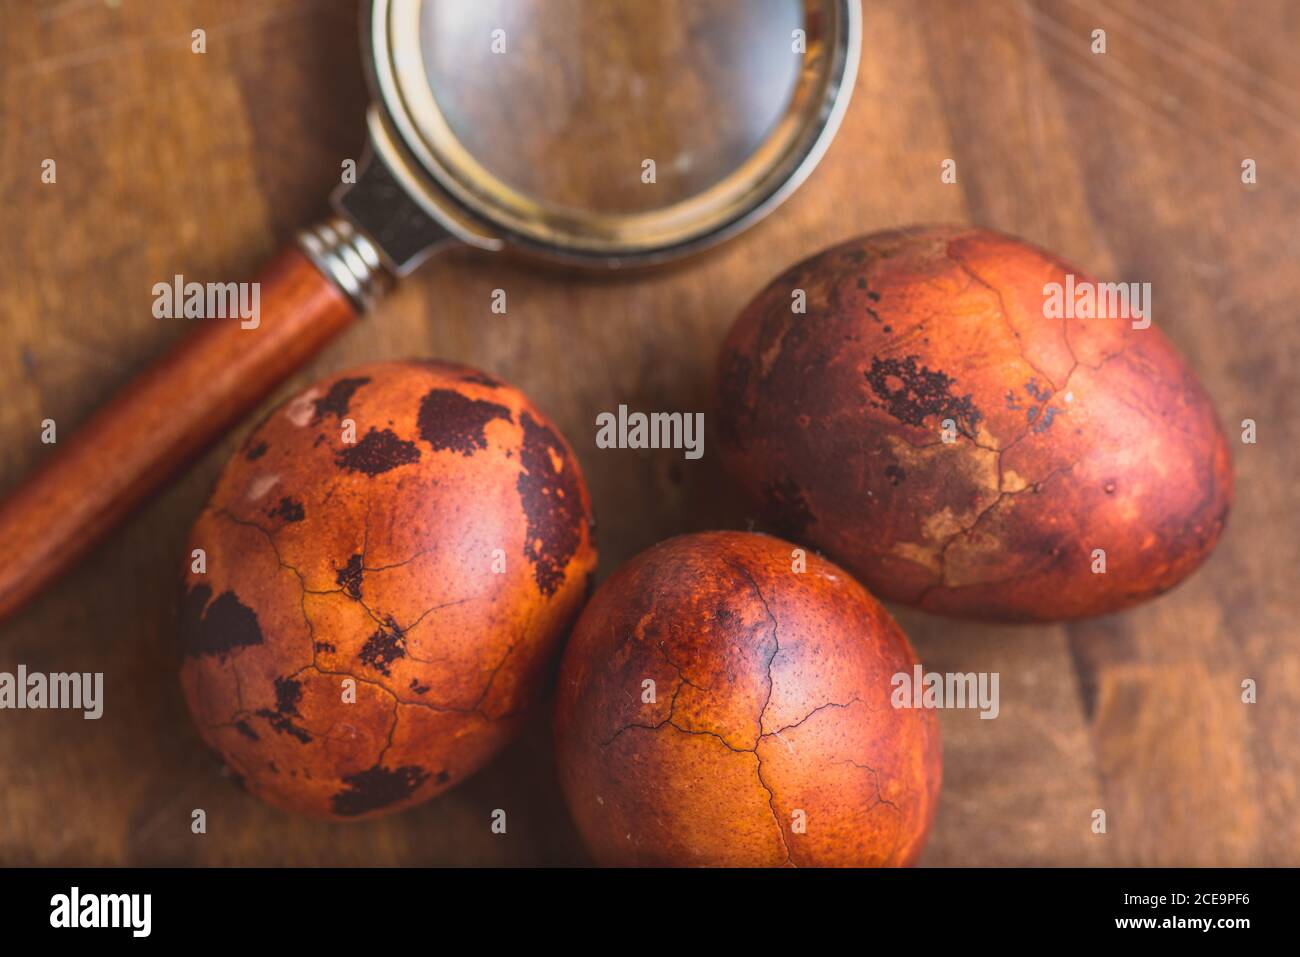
x,y
613,107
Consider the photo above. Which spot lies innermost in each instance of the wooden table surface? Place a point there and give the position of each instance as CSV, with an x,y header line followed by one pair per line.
x,y
1128,163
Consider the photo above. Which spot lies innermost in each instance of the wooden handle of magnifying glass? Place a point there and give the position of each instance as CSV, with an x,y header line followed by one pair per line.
x,y
159,422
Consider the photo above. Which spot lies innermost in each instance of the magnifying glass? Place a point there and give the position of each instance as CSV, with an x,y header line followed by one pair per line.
x,y
596,134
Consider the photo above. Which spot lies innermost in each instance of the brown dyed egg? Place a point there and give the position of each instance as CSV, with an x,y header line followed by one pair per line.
x,y
388,564
725,700
948,421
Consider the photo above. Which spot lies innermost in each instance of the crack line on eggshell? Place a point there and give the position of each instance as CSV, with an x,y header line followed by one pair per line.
x,y
941,582
433,706
392,730
519,639
365,546
475,709
424,614
681,673
1034,487
672,705
1005,314
404,632
669,723
243,715
239,687
270,538
829,704
775,641
383,568
492,676
302,603
758,765
397,699
682,680
881,799
943,552
771,803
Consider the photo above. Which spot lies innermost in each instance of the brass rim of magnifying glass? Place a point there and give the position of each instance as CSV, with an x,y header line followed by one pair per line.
x,y
767,176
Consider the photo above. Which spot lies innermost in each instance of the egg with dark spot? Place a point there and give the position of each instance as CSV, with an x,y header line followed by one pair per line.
x,y
727,700
978,443
378,584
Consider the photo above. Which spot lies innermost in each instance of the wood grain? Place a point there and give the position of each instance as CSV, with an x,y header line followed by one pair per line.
x,y
1127,162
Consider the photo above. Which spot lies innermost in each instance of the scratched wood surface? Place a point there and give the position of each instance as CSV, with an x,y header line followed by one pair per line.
x,y
1128,163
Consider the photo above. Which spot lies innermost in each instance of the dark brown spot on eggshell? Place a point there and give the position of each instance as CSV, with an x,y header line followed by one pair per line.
x,y
350,576
548,486
288,692
377,788
288,510
219,627
335,402
481,378
378,452
452,421
383,647
911,393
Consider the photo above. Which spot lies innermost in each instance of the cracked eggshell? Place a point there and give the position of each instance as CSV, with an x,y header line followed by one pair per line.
x,y
1071,435
375,615
716,707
